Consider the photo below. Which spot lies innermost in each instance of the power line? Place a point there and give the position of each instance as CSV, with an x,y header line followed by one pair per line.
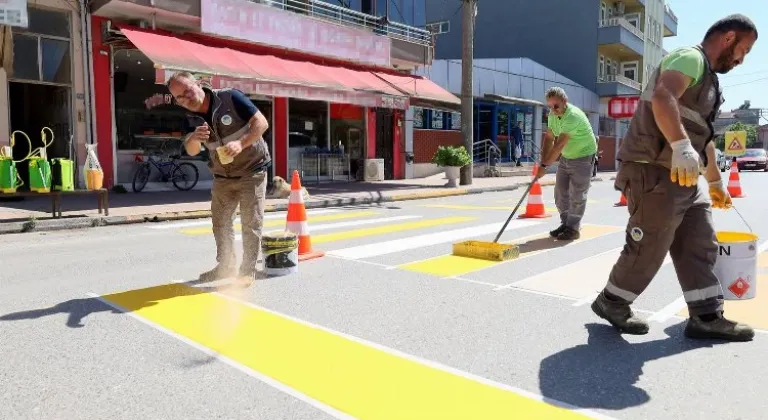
x,y
746,83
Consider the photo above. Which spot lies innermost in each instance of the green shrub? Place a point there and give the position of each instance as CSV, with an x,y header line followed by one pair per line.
x,y
446,156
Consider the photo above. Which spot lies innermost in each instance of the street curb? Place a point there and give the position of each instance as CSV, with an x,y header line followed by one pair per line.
x,y
87,222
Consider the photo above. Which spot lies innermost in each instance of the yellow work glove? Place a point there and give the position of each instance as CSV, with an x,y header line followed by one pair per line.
x,y
719,195
685,163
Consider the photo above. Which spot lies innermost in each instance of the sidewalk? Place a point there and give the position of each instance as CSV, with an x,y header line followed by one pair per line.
x,y
81,211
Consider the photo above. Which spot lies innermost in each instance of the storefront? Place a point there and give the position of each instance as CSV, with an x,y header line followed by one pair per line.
x,y
498,119
325,120
44,87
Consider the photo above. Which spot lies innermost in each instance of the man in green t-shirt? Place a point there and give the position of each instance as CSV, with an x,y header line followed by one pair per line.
x,y
571,139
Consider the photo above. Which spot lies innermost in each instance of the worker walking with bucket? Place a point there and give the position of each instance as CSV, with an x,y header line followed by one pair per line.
x,y
670,132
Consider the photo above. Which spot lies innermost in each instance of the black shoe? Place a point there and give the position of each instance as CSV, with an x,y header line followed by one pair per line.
x,y
569,234
555,233
719,329
619,315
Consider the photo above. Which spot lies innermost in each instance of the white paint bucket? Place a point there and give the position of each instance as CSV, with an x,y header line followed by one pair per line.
x,y
281,253
736,265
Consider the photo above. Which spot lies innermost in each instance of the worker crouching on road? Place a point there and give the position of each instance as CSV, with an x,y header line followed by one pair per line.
x,y
231,128
569,134
670,132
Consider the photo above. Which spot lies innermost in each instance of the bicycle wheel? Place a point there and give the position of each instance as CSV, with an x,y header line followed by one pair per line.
x,y
141,177
187,173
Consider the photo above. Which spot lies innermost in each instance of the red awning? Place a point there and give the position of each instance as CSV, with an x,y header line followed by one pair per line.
x,y
265,74
420,88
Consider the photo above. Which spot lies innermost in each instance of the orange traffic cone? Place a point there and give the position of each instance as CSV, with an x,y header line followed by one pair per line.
x,y
296,220
535,206
535,169
734,184
622,201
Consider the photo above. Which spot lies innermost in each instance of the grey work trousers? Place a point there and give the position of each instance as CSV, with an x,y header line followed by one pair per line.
x,y
666,217
572,182
249,192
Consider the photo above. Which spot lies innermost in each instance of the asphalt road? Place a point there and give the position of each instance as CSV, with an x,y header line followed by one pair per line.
x,y
99,323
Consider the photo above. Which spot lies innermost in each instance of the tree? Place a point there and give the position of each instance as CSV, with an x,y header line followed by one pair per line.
x,y
739,126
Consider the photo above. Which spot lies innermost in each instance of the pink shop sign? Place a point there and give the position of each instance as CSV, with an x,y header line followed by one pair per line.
x,y
267,25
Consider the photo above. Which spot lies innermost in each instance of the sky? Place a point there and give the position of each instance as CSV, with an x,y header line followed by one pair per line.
x,y
749,81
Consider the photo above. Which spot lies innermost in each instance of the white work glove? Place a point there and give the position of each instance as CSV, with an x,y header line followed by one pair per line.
x,y
685,163
721,199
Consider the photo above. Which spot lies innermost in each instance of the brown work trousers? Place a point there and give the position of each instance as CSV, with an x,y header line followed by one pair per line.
x,y
249,192
666,217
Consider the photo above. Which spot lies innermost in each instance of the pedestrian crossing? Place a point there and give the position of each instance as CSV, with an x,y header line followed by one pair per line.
x,y
420,242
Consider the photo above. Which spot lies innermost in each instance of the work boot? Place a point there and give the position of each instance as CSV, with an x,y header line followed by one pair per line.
x,y
718,328
619,315
555,233
220,272
247,278
569,234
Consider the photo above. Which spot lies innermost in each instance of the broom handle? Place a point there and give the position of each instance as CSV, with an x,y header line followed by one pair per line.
x,y
509,219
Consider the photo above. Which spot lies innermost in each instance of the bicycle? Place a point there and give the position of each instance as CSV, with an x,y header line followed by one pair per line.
x,y
179,171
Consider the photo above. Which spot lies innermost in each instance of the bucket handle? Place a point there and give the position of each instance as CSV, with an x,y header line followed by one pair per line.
x,y
742,219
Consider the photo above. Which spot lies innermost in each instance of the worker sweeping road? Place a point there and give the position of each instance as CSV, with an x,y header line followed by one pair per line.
x,y
670,132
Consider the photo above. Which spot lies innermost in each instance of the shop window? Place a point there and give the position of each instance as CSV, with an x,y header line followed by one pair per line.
x,y
455,121
418,117
42,51
437,120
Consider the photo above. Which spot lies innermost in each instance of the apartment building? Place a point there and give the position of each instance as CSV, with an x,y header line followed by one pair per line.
x,y
332,77
595,50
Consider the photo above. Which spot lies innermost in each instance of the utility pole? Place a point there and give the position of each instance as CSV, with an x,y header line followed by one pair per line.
x,y
469,7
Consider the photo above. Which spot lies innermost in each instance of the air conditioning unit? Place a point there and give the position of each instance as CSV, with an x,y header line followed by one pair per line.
x,y
374,169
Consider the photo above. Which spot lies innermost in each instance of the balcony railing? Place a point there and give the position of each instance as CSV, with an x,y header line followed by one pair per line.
x,y
341,15
670,12
620,21
626,81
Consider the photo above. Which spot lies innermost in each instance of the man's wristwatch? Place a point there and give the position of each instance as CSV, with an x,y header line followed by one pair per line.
x,y
542,166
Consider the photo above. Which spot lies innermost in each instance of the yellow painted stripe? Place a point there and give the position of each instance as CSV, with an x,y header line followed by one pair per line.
x,y
275,223
452,265
381,230
358,379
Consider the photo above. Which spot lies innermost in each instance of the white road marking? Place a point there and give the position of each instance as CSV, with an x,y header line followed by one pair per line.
x,y
414,242
207,221
242,368
352,223
668,311
586,299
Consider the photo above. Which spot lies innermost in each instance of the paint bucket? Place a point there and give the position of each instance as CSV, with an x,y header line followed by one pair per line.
x,y
281,253
736,265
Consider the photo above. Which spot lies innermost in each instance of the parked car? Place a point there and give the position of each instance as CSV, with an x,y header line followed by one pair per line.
x,y
754,160
723,161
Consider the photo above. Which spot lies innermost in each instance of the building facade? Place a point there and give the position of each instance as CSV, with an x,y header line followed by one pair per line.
x,y
44,82
607,47
334,81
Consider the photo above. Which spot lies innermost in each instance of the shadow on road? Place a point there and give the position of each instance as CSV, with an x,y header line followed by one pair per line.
x,y
77,309
603,373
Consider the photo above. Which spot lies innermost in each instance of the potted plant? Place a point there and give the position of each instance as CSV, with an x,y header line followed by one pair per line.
x,y
452,158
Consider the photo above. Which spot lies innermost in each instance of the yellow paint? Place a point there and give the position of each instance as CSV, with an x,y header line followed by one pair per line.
x,y
451,265
352,377
381,230
735,237
275,223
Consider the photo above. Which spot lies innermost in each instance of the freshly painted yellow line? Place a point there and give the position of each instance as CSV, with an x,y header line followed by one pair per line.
x,y
753,312
354,377
274,223
451,265
467,207
381,230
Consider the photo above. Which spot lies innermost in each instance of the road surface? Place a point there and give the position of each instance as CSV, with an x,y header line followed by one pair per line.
x,y
110,323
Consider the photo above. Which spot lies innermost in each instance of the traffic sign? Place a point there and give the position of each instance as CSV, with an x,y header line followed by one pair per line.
x,y
735,143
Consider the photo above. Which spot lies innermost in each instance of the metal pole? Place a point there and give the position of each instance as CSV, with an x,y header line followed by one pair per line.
x,y
467,104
